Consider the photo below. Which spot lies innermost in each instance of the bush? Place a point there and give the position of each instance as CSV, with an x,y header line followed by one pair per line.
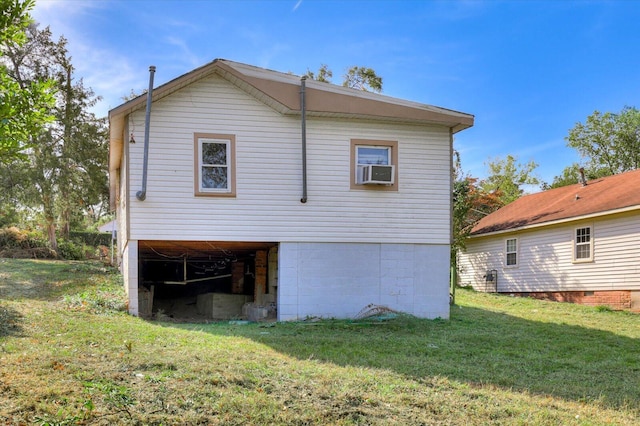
x,y
35,239
71,250
15,243
13,238
91,238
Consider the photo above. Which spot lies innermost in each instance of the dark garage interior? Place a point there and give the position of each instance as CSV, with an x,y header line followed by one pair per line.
x,y
201,281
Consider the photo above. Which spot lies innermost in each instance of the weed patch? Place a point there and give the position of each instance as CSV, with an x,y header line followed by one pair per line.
x,y
98,301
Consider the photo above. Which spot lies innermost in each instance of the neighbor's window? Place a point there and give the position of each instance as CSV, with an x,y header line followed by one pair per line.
x,y
511,250
583,250
214,164
374,152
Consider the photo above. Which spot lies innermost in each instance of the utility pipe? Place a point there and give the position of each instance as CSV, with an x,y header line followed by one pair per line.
x,y
303,114
142,194
453,277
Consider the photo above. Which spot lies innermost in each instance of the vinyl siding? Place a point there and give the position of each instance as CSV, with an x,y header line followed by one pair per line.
x,y
545,258
268,176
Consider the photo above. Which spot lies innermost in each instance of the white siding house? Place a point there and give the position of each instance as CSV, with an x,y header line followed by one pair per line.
x,y
247,202
579,243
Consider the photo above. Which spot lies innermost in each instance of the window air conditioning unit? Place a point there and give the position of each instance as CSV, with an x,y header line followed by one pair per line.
x,y
376,174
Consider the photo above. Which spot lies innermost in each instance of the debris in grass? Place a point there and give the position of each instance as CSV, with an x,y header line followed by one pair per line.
x,y
379,311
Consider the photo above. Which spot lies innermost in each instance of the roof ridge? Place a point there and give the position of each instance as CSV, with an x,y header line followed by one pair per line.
x,y
598,196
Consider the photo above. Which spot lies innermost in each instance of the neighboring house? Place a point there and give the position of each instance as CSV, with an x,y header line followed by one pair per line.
x,y
578,243
256,205
108,227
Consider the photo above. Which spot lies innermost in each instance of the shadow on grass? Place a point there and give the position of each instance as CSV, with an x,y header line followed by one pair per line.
x,y
45,279
475,346
10,322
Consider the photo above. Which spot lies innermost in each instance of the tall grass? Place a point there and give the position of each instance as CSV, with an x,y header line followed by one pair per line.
x,y
498,360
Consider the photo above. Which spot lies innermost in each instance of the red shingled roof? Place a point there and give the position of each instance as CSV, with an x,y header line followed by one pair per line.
x,y
610,193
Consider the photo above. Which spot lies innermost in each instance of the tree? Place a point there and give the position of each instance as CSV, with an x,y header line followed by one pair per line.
x,y
361,78
470,204
609,143
507,178
571,175
324,74
66,173
24,106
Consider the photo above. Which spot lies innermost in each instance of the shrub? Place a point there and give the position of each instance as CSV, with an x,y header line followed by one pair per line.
x,y
15,243
91,238
13,238
36,239
71,250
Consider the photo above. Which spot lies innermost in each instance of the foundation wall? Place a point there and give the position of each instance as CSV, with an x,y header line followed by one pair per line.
x,y
617,300
339,280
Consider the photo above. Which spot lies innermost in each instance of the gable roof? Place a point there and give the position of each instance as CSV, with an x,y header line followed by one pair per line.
x,y
611,194
281,92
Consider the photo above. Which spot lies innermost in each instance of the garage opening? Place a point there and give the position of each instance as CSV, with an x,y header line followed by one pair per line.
x,y
203,280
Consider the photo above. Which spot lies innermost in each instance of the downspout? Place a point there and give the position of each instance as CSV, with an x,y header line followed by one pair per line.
x,y
142,194
454,261
303,115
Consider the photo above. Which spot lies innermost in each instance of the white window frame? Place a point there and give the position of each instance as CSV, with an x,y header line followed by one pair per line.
x,y
380,147
508,252
229,142
578,241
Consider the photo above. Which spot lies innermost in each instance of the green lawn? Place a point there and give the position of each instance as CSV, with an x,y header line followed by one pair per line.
x,y
69,355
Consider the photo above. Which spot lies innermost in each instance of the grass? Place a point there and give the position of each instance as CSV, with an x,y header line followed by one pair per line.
x,y
70,355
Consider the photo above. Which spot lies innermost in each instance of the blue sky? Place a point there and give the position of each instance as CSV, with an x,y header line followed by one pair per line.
x,y
528,70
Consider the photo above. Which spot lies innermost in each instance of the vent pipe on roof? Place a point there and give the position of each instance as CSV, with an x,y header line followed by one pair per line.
x,y
583,181
303,115
142,194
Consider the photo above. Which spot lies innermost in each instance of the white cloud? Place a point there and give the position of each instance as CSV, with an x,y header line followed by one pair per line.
x,y
186,54
110,75
62,14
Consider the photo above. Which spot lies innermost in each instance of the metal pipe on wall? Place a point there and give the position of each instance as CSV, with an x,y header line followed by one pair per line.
x,y
142,194
303,114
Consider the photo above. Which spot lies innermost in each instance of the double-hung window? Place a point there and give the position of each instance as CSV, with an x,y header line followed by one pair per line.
x,y
374,161
511,252
583,244
214,164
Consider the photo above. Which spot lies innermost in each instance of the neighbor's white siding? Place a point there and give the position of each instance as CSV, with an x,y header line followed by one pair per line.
x,y
338,280
269,177
545,258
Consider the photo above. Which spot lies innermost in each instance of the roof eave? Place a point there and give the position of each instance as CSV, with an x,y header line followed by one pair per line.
x,y
556,222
